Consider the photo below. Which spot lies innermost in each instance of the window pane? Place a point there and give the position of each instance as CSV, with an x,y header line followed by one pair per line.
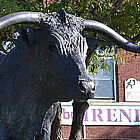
x,y
102,74
105,89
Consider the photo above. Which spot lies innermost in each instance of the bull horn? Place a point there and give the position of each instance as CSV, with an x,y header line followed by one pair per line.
x,y
20,17
111,34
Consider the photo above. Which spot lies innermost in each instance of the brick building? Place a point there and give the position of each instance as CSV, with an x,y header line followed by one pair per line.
x,y
127,109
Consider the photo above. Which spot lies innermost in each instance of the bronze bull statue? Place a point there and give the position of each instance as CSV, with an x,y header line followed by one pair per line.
x,y
46,66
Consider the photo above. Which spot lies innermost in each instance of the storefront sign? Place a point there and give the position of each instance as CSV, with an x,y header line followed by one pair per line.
x,y
105,115
132,90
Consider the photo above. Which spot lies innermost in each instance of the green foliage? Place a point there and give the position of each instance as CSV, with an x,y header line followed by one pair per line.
x,y
96,62
99,59
121,15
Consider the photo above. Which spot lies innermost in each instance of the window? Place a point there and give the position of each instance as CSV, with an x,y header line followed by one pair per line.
x,y
105,83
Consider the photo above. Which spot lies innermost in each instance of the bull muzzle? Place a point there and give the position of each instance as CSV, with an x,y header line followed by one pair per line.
x,y
87,87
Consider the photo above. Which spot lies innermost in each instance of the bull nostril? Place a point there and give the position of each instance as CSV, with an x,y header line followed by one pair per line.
x,y
86,87
93,88
81,86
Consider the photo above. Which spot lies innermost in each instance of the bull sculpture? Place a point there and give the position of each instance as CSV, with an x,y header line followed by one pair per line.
x,y
46,66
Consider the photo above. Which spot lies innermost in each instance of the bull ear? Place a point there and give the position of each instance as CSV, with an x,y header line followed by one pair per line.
x,y
23,37
91,47
91,43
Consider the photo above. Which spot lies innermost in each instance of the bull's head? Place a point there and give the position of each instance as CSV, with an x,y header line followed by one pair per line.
x,y
59,50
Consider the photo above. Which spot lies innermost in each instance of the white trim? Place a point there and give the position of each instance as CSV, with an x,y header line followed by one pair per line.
x,y
84,127
115,82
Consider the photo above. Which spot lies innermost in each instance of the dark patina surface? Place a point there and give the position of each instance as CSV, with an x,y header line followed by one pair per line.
x,y
47,65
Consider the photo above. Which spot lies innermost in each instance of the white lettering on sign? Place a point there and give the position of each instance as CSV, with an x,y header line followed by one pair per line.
x,y
132,90
105,115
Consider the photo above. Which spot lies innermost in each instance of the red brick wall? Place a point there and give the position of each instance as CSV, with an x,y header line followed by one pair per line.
x,y
113,132
66,131
107,132
123,73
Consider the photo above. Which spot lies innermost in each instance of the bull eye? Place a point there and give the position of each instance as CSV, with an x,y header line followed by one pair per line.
x,y
52,47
